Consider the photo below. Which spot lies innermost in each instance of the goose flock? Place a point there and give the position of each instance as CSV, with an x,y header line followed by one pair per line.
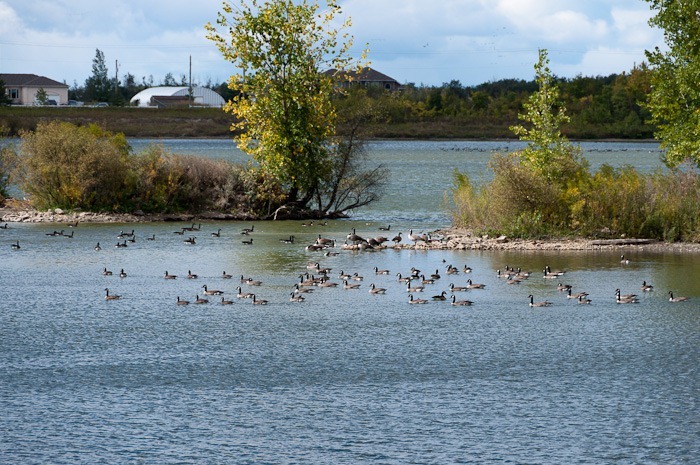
x,y
319,276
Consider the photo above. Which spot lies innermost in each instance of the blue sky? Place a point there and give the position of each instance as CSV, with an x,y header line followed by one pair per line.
x,y
420,41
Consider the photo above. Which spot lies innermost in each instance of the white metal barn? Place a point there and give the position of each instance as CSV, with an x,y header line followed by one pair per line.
x,y
163,95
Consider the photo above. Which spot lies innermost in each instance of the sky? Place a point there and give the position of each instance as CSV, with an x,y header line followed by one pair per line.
x,y
425,42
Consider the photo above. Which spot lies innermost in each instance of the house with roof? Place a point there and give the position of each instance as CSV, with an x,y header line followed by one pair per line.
x,y
22,89
366,77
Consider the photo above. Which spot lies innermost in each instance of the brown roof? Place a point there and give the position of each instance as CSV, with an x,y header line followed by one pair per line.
x,y
364,75
32,80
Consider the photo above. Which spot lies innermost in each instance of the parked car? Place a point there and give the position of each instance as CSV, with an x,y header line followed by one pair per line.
x,y
102,104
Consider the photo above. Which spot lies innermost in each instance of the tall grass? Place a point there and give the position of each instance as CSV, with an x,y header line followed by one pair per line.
x,y
520,202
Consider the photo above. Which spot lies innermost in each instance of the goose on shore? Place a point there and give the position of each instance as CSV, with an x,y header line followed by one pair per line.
x,y
109,296
544,303
396,239
624,260
675,299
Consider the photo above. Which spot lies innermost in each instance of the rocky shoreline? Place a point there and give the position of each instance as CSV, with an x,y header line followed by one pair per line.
x,y
444,239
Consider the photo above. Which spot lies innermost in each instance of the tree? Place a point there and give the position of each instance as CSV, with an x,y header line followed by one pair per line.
x,y
98,86
548,151
283,99
4,98
42,97
674,101
169,80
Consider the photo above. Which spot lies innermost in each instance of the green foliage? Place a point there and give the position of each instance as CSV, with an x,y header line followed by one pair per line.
x,y
68,166
42,97
675,96
283,107
98,86
4,98
8,159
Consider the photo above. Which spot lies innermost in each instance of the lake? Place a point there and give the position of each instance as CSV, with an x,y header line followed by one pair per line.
x,y
346,376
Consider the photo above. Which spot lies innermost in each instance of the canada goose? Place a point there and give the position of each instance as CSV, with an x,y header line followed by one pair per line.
x,y
16,246
387,228
647,287
243,295
181,232
106,272
109,296
247,231
548,275
403,279
296,298
325,283
193,228
4,226
191,275
396,239
415,273
563,287
425,280
569,295
122,273
354,238
120,245
675,299
410,288
623,260
347,285
454,288
302,290
253,282
259,302
247,241
55,233
182,302
417,237
462,303
217,233
313,247
69,236
169,276
449,269
97,247
624,296
556,273
152,237
583,300
211,291
225,301
411,300
190,240
200,301
226,276
324,241
376,290
466,269
344,275
435,275
131,239
357,277
378,271
544,303
471,285
440,296
290,240
328,253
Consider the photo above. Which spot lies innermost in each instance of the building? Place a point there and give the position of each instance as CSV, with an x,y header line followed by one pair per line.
x,y
166,97
367,77
22,89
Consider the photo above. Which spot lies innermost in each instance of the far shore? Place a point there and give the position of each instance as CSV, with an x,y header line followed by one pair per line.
x,y
449,238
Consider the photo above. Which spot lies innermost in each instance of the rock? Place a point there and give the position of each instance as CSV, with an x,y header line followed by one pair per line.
x,y
138,213
501,239
58,211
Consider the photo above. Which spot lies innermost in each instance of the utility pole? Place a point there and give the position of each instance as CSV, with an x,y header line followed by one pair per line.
x,y
116,79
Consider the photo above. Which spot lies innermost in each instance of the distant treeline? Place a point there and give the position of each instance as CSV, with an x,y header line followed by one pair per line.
x,y
601,107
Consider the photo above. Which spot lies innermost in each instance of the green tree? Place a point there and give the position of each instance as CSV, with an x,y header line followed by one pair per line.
x,y
4,98
548,151
42,97
98,87
674,101
283,104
